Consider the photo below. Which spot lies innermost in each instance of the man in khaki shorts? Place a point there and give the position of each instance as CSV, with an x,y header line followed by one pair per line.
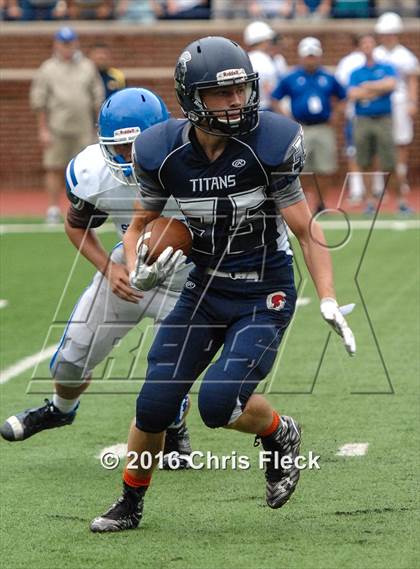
x,y
311,89
370,87
66,93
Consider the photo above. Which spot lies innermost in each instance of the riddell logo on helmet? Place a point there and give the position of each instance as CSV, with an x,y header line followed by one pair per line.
x,y
276,300
124,133
229,74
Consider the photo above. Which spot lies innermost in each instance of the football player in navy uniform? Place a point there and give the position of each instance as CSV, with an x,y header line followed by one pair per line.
x,y
100,184
220,166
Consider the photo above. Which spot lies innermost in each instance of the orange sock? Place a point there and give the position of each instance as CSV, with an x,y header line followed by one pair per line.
x,y
136,482
274,424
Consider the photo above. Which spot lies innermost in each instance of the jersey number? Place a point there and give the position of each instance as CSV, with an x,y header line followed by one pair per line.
x,y
230,223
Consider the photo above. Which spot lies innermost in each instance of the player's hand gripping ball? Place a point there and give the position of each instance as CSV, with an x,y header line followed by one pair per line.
x,y
161,251
165,232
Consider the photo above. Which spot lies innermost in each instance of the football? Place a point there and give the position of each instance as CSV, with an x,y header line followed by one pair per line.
x,y
166,232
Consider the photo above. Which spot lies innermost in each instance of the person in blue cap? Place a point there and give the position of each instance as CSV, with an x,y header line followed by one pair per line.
x,y
66,94
66,35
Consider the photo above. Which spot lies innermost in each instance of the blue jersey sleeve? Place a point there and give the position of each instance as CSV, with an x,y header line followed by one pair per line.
x,y
282,89
281,150
338,90
354,80
390,70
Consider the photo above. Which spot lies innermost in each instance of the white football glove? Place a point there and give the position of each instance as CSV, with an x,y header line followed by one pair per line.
x,y
145,277
333,314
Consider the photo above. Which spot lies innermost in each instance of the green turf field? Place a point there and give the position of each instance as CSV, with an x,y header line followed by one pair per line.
x,y
354,513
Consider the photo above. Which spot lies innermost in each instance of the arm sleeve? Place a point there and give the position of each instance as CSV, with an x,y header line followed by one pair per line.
x,y
391,71
288,195
339,90
353,81
280,91
83,215
285,186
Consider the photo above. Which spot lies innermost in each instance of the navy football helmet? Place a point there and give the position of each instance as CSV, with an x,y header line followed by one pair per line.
x,y
216,62
123,116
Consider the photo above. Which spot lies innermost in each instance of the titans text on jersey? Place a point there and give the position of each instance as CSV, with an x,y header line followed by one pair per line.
x,y
233,216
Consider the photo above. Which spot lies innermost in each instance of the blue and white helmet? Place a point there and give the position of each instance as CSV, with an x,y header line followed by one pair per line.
x,y
123,116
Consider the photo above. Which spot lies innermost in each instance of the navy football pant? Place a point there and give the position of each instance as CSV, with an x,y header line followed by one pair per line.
x,y
232,314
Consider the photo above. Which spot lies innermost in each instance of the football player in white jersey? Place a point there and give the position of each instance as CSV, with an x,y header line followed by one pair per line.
x,y
259,37
404,98
100,183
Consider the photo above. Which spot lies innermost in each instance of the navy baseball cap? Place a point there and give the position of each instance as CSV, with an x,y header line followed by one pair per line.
x,y
65,35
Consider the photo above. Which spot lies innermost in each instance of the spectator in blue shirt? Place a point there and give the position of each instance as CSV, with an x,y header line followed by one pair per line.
x,y
370,87
312,8
312,90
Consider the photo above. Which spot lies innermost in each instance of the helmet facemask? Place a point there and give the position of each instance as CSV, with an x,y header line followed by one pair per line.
x,y
232,121
221,122
121,168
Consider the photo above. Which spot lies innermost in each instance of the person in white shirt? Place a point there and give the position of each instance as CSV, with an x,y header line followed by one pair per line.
x,y
404,98
259,38
344,69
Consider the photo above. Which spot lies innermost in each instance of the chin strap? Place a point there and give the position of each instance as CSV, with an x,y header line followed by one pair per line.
x,y
127,170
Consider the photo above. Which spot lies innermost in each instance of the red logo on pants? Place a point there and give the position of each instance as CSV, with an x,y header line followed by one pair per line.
x,y
276,300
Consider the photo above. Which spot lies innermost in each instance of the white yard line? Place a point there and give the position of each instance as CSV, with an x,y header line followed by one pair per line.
x,y
363,224
395,224
120,449
303,301
26,363
7,228
353,449
3,303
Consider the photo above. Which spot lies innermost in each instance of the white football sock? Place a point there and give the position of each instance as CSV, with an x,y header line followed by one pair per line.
x,y
64,405
357,187
378,183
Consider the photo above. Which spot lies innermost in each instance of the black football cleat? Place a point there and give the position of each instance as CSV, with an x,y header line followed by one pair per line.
x,y
27,423
281,481
177,449
126,513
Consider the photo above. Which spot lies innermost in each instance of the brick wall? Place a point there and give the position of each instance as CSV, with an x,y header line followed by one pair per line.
x,y
147,55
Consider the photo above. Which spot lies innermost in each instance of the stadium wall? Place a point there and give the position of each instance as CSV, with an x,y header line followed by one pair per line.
x,y
147,56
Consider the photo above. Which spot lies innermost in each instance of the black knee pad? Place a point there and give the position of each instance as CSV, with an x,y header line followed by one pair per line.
x,y
154,415
215,405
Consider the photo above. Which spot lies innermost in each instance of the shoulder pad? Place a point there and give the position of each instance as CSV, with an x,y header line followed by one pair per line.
x,y
84,174
275,138
153,145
